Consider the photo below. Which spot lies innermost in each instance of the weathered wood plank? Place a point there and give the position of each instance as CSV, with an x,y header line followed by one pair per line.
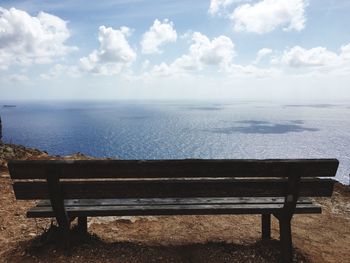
x,y
173,188
172,201
76,211
266,226
286,240
82,224
36,169
57,202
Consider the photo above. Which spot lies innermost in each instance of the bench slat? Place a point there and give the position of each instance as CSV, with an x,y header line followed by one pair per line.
x,y
208,209
174,188
171,201
191,168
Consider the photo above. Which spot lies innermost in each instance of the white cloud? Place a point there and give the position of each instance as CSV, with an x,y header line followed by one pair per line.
x,y
205,52
187,35
59,70
345,52
236,70
261,54
113,55
158,35
315,57
202,52
26,39
315,60
268,15
163,70
15,79
217,5
18,78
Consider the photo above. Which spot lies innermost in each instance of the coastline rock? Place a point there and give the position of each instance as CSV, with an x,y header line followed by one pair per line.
x,y
18,152
0,130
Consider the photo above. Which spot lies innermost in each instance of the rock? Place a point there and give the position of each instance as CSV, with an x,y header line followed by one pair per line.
x,y
0,129
2,163
5,176
127,219
13,151
77,156
9,150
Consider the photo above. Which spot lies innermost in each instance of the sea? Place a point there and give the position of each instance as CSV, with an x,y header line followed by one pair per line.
x,y
239,129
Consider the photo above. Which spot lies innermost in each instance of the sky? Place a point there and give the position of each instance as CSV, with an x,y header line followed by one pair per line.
x,y
200,49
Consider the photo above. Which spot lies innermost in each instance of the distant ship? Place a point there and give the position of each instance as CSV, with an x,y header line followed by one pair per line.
x,y
9,106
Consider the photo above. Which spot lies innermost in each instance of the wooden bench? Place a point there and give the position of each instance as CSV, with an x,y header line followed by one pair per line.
x,y
81,189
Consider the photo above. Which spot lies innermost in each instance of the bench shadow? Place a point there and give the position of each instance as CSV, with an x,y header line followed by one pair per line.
x,y
90,248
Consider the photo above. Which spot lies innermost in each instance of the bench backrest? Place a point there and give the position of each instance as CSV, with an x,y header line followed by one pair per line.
x,y
172,178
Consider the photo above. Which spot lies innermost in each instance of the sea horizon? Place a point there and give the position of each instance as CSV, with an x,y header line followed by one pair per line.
x,y
179,129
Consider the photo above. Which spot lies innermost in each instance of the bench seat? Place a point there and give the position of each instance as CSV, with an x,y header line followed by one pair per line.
x,y
171,206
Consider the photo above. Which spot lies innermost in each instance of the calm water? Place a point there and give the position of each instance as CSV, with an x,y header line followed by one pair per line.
x,y
173,130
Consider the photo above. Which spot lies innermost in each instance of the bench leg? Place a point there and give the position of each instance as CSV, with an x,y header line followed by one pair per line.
x,y
64,228
266,226
82,224
286,240
67,245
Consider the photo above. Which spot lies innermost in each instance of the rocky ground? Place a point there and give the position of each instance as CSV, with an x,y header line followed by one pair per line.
x,y
12,151
317,238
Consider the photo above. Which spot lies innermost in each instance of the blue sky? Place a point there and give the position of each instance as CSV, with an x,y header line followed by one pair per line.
x,y
218,49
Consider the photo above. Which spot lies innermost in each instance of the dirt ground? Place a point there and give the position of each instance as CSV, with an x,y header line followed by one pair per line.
x,y
317,238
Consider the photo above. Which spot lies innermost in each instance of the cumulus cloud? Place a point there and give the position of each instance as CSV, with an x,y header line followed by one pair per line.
x,y
163,70
26,39
18,78
217,5
159,34
113,55
202,52
317,59
59,70
261,54
314,57
237,70
268,15
205,52
345,52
